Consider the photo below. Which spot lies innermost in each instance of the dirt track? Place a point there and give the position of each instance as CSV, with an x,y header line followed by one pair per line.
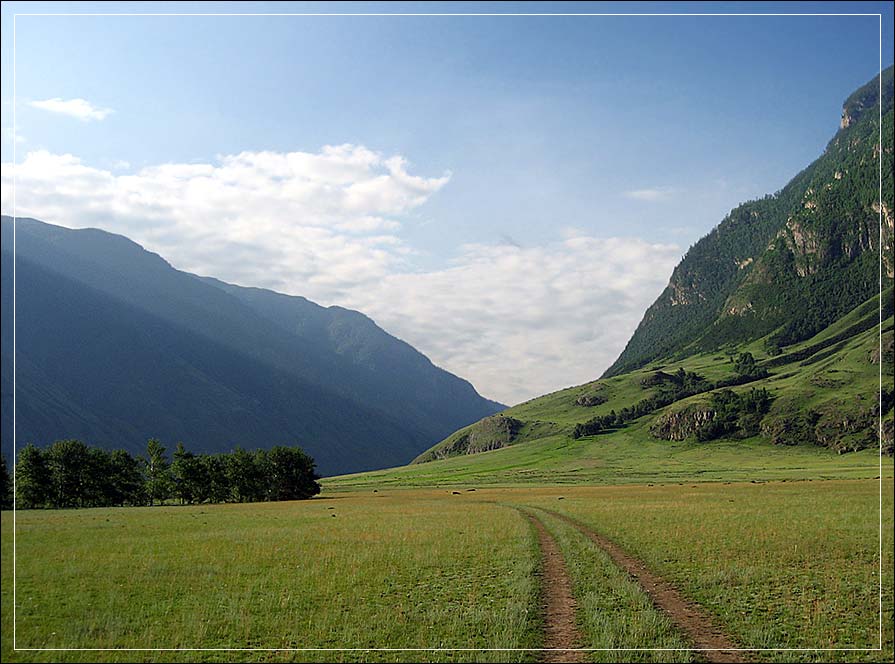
x,y
560,628
715,646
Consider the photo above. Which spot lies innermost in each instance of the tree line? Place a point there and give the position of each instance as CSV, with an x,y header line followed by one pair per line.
x,y
70,473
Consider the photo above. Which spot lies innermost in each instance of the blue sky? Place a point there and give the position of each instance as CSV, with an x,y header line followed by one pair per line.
x,y
524,142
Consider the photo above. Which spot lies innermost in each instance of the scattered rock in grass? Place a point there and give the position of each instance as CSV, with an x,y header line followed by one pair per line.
x,y
590,400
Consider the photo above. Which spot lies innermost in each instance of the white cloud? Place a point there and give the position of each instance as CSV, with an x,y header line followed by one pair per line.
x,y
521,322
516,321
650,194
77,108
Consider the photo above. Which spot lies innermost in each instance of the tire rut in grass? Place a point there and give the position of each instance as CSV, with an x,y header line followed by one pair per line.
x,y
715,646
560,629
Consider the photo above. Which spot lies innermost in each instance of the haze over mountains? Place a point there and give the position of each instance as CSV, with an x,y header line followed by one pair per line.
x,y
115,346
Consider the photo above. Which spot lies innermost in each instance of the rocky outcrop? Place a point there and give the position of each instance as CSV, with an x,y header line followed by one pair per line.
x,y
888,232
681,424
804,244
491,433
590,400
847,430
683,294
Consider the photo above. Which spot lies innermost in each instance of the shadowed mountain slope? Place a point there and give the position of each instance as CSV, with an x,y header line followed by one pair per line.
x,y
114,346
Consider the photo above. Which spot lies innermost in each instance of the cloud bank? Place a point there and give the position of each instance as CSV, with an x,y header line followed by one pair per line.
x,y
516,321
76,108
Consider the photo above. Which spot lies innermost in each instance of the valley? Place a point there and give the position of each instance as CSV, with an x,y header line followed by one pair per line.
x,y
721,492
769,565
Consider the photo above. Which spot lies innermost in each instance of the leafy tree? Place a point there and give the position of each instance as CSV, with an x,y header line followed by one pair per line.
x,y
186,475
158,484
6,488
97,485
72,474
69,464
33,478
215,486
292,475
125,479
244,476
738,415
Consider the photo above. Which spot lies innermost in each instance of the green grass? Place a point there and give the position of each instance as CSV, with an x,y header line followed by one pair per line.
x,y
780,565
385,571
613,610
630,456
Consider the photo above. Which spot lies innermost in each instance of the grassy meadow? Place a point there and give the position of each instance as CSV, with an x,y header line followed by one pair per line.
x,y
778,564
361,571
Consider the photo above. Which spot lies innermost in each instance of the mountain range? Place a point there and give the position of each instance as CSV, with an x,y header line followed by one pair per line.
x,y
113,345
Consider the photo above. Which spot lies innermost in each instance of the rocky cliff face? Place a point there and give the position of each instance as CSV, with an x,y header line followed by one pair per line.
x,y
887,225
682,424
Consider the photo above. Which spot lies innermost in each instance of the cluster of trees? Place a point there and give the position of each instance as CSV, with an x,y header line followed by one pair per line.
x,y
672,387
72,474
735,414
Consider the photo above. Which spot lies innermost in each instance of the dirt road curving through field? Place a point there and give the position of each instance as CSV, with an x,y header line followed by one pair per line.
x,y
707,637
560,629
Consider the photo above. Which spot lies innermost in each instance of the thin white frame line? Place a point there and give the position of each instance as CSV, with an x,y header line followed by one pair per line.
x,y
14,218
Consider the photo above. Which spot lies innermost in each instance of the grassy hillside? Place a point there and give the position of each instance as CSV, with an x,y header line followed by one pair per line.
x,y
820,422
